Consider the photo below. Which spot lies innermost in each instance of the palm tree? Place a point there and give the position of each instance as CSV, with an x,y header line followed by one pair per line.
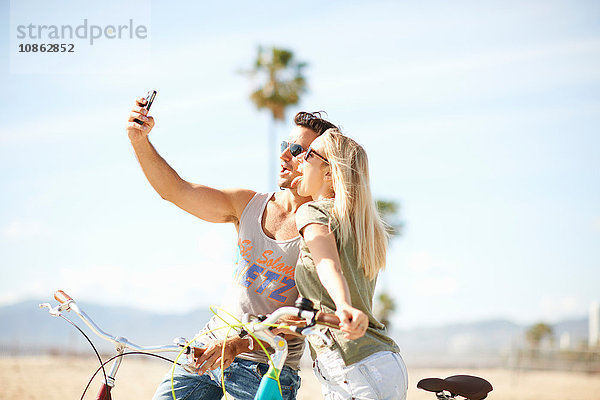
x,y
385,304
281,85
389,212
536,333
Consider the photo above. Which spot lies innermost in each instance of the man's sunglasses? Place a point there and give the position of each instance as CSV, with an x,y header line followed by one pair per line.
x,y
310,152
295,149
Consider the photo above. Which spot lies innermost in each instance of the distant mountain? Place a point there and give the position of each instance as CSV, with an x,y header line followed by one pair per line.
x,y
28,329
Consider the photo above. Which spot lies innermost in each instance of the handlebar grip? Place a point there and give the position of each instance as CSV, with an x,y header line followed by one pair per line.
x,y
62,297
327,318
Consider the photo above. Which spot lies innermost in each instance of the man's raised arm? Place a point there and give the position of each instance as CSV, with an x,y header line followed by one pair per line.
x,y
207,203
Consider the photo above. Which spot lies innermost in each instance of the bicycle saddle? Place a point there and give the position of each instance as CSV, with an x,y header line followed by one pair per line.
x,y
467,386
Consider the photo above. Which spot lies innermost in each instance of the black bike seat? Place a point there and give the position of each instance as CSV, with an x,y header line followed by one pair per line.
x,y
467,386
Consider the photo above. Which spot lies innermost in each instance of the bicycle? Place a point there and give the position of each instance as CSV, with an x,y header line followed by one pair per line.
x,y
469,387
256,326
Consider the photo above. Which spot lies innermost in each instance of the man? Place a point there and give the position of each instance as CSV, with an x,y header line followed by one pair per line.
x,y
268,244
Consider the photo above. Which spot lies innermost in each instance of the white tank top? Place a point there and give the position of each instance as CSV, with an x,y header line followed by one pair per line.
x,y
263,279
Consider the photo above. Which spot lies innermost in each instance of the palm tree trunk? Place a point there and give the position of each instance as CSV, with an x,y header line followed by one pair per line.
x,y
272,169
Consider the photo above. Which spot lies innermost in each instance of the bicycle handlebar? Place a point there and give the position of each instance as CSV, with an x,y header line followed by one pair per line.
x,y
328,319
67,303
320,317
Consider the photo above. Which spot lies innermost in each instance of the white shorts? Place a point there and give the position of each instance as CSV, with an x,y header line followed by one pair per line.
x,y
380,376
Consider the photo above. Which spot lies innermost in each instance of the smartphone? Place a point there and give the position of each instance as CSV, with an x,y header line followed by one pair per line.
x,y
149,100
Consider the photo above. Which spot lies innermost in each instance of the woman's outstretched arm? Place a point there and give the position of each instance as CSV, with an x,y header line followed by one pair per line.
x,y
323,249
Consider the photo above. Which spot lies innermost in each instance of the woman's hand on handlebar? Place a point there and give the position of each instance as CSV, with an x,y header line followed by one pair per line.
x,y
135,130
353,321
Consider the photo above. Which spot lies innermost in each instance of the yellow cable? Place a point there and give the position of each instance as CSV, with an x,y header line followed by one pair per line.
x,y
230,326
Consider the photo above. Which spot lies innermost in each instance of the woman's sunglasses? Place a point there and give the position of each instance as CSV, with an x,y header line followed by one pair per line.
x,y
295,149
310,152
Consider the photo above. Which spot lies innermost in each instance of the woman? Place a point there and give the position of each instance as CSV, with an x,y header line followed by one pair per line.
x,y
343,248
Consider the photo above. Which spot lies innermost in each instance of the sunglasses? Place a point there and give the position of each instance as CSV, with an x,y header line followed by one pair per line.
x,y
295,149
310,152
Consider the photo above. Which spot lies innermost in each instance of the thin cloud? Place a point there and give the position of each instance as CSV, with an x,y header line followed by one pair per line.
x,y
176,288
523,69
16,230
555,308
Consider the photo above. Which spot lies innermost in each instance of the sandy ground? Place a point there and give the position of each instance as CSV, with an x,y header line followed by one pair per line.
x,y
54,378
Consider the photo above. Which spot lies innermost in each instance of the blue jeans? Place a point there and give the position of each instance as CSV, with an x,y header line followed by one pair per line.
x,y
242,379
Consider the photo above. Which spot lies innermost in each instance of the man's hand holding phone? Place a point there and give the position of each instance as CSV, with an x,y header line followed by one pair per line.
x,y
140,123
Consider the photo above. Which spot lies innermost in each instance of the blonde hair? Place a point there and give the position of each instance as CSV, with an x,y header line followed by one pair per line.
x,y
353,206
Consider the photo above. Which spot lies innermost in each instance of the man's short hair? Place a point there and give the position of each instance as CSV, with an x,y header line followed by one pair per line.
x,y
313,121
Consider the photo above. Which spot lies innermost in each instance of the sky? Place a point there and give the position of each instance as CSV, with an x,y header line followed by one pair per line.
x,y
481,119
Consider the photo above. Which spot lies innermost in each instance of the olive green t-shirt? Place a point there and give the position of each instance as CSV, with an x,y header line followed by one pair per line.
x,y
361,289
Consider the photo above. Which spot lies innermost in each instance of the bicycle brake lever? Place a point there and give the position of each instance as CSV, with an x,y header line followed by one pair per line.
x,y
183,343
312,331
55,311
